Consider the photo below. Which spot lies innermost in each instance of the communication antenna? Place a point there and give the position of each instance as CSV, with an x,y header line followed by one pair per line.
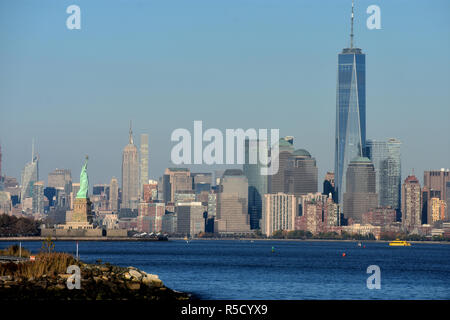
x,y
351,32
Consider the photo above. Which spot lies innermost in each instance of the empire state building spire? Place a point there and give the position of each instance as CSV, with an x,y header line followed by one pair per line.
x,y
131,134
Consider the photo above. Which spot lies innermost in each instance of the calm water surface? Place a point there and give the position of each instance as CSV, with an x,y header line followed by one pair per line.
x,y
229,269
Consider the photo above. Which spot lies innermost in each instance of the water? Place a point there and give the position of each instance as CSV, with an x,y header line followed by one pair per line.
x,y
231,269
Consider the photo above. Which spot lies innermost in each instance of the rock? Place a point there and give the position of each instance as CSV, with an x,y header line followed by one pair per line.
x,y
64,275
127,276
133,285
135,274
6,278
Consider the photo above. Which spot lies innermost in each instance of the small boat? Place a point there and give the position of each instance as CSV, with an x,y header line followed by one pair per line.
x,y
399,243
359,244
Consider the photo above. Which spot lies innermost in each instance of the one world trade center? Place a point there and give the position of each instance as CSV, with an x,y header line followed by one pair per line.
x,y
350,111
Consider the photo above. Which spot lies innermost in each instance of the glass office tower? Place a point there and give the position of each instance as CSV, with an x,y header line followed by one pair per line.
x,y
257,183
350,111
386,159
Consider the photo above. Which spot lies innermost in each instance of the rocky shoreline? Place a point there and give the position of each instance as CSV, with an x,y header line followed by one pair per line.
x,y
97,282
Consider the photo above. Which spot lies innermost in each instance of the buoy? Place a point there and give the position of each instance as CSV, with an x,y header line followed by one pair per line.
x,y
344,254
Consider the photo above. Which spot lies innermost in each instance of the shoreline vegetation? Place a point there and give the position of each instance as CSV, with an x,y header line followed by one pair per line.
x,y
46,277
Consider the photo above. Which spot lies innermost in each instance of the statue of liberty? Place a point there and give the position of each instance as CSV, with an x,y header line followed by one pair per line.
x,y
84,182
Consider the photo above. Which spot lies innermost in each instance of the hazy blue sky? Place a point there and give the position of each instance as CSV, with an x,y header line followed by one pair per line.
x,y
232,64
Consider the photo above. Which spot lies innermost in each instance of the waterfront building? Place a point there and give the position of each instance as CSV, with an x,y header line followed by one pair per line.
x,y
447,194
279,212
232,203
385,156
411,203
144,163
360,194
434,182
169,223
257,183
130,175
350,111
190,218
312,213
380,216
438,208
301,173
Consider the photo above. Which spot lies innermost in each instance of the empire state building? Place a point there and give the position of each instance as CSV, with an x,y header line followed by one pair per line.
x,y
130,175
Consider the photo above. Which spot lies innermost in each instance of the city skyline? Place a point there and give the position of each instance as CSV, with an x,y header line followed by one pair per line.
x,y
60,145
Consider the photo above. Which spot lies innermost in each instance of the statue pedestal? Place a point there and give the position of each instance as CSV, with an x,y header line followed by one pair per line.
x,y
80,217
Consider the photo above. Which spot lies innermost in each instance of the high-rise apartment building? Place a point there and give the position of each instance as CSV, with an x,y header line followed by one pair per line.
x,y
301,173
144,163
130,175
350,111
257,183
385,156
411,203
360,193
232,203
279,212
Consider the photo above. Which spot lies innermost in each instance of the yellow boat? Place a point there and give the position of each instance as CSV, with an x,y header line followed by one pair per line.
x,y
399,243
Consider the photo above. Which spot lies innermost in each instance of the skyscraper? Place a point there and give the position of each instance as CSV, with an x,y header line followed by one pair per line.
x,y
144,163
38,197
411,203
176,180
257,183
360,193
62,179
279,212
130,175
385,156
435,182
30,175
232,203
301,173
277,182
350,111
114,195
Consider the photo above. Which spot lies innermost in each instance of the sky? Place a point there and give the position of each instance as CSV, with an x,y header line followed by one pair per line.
x,y
232,64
